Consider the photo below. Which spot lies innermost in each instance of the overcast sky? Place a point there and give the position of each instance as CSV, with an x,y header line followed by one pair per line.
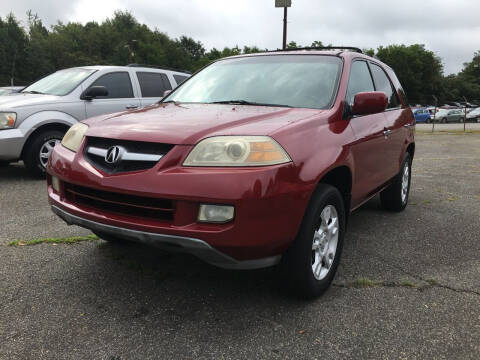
x,y
449,28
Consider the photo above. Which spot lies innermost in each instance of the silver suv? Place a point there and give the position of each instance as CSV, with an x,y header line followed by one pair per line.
x,y
34,120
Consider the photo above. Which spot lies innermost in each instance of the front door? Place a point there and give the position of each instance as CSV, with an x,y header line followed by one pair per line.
x,y
120,95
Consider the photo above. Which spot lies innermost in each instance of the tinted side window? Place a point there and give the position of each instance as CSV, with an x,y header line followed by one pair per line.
x,y
360,80
179,78
153,84
118,85
383,84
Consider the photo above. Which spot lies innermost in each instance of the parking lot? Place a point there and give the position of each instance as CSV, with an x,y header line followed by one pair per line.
x,y
408,285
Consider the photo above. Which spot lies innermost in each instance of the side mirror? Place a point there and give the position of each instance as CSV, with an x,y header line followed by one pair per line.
x,y
370,102
94,92
166,92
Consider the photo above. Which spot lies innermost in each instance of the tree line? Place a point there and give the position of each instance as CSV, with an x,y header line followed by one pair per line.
x,y
30,52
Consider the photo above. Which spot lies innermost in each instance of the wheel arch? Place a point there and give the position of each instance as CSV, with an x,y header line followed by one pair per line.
x,y
49,126
411,150
42,121
340,177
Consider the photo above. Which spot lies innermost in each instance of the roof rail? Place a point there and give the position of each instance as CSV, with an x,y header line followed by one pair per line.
x,y
324,48
159,67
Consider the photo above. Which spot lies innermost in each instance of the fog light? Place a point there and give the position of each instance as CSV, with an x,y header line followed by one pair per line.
x,y
56,184
215,213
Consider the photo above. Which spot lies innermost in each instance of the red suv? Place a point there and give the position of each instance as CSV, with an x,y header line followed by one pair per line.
x,y
254,161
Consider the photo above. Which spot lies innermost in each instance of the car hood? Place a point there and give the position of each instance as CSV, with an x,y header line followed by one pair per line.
x,y
16,100
189,123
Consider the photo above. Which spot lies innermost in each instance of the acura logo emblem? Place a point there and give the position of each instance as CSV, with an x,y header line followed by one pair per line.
x,y
114,154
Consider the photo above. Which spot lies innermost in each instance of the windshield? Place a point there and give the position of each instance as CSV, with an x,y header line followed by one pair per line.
x,y
308,81
59,83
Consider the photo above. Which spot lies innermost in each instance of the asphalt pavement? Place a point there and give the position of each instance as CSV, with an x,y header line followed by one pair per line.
x,y
408,286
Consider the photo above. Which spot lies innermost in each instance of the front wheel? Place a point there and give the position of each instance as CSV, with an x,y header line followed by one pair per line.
x,y
395,196
39,150
310,264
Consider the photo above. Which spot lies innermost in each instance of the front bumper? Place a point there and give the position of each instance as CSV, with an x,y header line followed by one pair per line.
x,y
196,247
269,206
11,144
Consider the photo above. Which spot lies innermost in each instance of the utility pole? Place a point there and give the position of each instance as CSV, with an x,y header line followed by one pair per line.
x,y
285,4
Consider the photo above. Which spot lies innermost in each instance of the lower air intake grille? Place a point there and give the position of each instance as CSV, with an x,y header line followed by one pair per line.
x,y
117,203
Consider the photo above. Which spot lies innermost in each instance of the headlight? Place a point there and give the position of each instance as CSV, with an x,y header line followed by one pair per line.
x,y
7,120
237,151
74,136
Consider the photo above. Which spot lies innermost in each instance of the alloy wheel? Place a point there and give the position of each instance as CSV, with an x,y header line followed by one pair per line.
x,y
46,150
325,241
405,182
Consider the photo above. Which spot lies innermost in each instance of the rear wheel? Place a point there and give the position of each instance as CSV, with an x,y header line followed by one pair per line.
x,y
310,264
444,120
395,197
39,150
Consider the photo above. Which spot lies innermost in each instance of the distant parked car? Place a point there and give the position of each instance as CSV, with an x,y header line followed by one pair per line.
x,y
474,115
445,116
421,115
7,90
33,121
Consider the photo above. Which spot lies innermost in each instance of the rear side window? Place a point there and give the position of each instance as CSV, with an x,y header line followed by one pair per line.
x,y
383,84
360,80
118,85
153,84
179,78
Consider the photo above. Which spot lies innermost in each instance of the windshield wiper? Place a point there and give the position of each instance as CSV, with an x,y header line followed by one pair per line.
x,y
33,92
245,102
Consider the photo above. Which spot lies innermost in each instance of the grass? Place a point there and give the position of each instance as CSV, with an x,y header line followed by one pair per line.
x,y
65,240
408,283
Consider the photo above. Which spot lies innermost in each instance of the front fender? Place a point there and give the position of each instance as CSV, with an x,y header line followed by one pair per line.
x,y
41,118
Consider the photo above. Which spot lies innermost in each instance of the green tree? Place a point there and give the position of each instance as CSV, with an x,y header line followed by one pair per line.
x,y
419,70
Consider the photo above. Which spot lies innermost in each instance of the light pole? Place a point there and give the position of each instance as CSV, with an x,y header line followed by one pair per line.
x,y
285,4
131,53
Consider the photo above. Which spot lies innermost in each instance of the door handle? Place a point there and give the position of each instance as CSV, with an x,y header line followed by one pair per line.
x,y
131,106
387,132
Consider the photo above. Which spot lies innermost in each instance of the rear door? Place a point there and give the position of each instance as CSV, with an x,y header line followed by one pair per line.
x,y
120,95
370,144
152,86
395,120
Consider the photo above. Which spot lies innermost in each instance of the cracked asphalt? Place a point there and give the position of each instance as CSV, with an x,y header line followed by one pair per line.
x,y
94,300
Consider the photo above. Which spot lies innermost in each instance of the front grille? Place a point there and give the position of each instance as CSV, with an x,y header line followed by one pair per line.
x,y
117,203
138,147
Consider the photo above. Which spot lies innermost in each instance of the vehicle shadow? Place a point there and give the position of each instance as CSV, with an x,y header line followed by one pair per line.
x,y
15,171
179,275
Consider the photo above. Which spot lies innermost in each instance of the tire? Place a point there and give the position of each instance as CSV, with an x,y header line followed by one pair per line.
x,y
314,248
444,120
395,196
38,150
